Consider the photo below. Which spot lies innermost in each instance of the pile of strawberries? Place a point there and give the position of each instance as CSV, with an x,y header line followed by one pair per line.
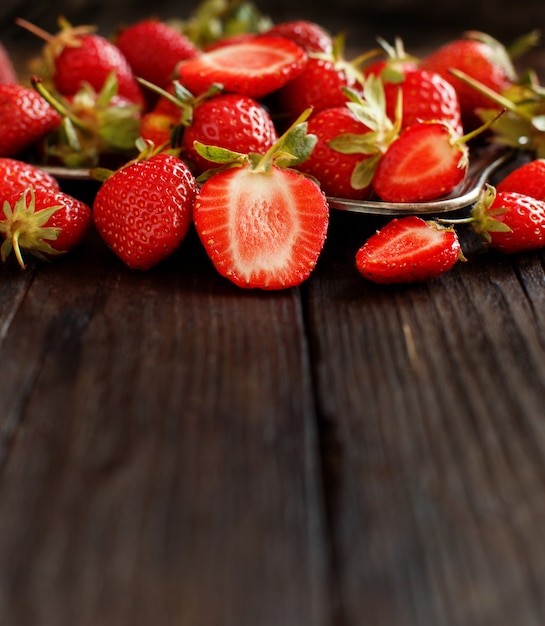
x,y
247,136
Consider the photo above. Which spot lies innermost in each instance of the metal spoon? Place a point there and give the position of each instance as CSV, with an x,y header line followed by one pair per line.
x,y
483,162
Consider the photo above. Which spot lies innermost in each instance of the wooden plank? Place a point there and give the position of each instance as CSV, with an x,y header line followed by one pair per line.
x,y
164,467
432,401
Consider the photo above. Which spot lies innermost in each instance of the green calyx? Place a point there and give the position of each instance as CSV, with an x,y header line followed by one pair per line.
x,y
24,228
523,124
378,130
92,125
215,19
483,218
291,149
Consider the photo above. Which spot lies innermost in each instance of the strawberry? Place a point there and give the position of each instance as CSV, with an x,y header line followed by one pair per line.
x,y
427,160
481,57
227,120
143,210
95,126
42,222
8,76
320,84
426,96
16,176
334,169
312,37
408,249
231,121
25,117
157,127
254,68
392,64
508,221
230,40
527,179
263,224
153,49
76,55
350,142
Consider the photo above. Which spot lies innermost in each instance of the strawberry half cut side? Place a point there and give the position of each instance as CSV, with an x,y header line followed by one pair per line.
x,y
253,68
425,162
407,250
262,229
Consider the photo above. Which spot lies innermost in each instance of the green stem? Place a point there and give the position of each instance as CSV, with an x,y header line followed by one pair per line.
x,y
58,105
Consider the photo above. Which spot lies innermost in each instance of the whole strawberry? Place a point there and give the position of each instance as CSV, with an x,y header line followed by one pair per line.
x,y
332,168
407,250
77,55
426,96
312,37
16,176
143,210
153,49
320,84
482,58
43,223
350,142
509,222
528,179
25,117
231,121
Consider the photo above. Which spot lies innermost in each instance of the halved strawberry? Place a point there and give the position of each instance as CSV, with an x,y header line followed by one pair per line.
x,y
426,161
408,249
263,225
254,68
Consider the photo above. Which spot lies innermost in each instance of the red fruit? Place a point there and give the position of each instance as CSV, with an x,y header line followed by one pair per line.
x,y
332,168
482,58
427,96
254,68
16,176
143,210
319,86
262,228
528,179
394,62
231,121
154,48
408,249
509,222
75,55
426,161
229,40
310,36
43,223
8,75
156,127
25,117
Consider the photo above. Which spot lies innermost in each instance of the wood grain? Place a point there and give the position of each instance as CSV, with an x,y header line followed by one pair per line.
x,y
164,467
432,421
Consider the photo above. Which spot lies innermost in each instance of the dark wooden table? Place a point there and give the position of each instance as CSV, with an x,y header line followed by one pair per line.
x,y
178,451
